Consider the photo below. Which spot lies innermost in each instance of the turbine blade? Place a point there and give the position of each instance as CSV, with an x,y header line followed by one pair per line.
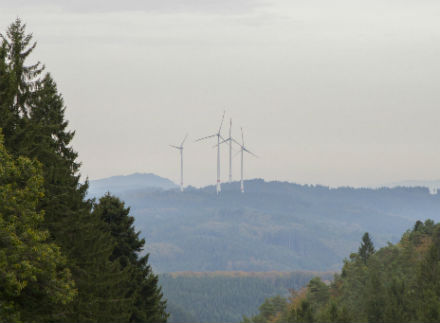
x,y
207,137
235,141
186,136
250,152
221,123
174,146
222,142
242,137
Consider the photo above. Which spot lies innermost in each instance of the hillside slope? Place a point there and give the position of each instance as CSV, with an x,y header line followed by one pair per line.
x,y
273,226
397,283
226,296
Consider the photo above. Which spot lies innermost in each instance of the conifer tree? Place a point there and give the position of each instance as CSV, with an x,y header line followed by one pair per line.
x,y
24,77
9,115
20,83
38,130
34,281
148,305
367,248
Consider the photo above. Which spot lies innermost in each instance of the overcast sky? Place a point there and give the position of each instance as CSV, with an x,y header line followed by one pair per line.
x,y
340,92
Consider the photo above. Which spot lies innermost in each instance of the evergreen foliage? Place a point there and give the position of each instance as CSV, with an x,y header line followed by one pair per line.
x,y
144,294
367,248
32,116
398,283
226,296
34,279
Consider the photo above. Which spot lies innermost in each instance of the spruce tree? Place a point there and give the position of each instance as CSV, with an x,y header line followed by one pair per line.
x,y
148,304
34,280
24,77
38,130
19,85
10,118
367,248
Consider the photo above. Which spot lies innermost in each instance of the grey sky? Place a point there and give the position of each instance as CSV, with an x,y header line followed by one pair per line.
x,y
152,6
341,92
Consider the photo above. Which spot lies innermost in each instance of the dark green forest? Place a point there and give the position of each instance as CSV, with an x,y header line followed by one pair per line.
x,y
397,283
226,296
63,257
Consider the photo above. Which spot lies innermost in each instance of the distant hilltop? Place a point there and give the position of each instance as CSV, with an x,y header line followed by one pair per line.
x,y
433,186
133,182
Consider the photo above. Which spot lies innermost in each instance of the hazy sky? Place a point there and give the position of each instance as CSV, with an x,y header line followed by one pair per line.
x,y
340,92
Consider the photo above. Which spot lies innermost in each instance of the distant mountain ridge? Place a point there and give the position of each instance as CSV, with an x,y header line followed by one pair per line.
x,y
433,185
272,226
125,183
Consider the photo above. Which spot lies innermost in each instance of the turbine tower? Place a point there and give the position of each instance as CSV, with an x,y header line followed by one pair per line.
x,y
242,150
218,135
230,140
230,150
181,161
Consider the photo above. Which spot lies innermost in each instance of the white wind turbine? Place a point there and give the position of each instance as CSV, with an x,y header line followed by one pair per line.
x,y
218,135
230,140
242,150
181,161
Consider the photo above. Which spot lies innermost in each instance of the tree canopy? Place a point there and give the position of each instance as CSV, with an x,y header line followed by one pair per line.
x,y
62,252
34,278
397,283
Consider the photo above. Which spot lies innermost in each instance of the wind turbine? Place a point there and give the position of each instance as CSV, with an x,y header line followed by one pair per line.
x,y
218,135
242,150
230,140
181,161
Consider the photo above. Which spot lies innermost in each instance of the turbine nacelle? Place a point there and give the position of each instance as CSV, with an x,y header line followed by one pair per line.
x,y
181,145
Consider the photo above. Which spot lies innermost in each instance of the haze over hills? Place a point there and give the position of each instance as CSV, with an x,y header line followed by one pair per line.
x,y
125,183
273,226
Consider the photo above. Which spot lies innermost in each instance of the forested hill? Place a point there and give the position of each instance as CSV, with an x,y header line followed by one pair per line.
x,y
398,283
273,226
